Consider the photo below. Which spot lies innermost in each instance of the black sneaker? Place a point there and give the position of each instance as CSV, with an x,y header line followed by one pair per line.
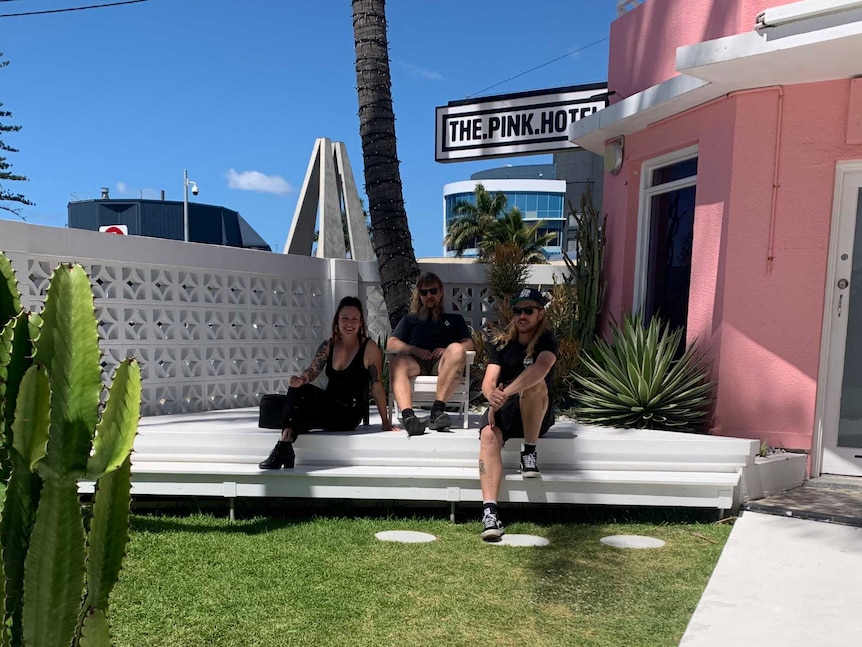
x,y
492,528
529,465
413,425
440,421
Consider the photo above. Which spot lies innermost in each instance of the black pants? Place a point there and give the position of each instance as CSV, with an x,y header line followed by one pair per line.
x,y
309,407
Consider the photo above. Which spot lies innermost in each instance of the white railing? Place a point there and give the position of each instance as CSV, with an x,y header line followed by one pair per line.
x,y
227,325
624,6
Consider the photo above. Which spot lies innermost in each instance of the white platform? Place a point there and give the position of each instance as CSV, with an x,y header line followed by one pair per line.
x,y
216,454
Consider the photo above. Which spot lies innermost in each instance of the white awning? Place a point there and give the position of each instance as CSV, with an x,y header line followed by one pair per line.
x,y
823,48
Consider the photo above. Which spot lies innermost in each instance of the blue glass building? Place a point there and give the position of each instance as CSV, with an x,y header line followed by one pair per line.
x,y
532,189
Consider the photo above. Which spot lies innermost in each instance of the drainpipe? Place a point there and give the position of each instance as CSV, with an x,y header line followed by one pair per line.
x,y
773,211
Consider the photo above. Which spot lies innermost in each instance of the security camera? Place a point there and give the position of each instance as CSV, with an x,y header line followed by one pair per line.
x,y
195,190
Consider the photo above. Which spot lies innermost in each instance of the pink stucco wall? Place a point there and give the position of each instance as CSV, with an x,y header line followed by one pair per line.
x,y
644,40
760,320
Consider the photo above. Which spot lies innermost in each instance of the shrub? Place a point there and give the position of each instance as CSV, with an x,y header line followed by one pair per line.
x,y
639,380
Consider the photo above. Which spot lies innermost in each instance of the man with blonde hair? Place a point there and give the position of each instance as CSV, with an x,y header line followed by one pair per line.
x,y
429,341
517,385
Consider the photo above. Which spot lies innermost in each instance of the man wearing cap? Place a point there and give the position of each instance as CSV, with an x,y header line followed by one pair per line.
x,y
517,385
429,341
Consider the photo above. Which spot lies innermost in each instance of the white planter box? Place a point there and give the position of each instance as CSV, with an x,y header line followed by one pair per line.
x,y
772,474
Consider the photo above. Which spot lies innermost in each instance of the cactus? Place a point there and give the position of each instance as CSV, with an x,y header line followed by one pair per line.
x,y
59,571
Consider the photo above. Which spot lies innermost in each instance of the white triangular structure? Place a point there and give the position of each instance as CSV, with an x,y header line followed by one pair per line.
x,y
328,189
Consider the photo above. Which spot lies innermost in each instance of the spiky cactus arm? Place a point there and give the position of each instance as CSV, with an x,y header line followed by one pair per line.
x,y
115,433
16,356
10,299
106,546
68,346
54,567
16,526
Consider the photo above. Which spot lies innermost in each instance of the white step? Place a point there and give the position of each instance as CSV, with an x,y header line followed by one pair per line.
x,y
216,454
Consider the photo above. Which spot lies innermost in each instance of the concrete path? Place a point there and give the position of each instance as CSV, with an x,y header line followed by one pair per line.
x,y
783,582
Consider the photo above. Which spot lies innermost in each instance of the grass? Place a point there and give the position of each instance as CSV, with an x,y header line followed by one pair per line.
x,y
199,580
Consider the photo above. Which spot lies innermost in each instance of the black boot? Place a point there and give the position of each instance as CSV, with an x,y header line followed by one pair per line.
x,y
282,455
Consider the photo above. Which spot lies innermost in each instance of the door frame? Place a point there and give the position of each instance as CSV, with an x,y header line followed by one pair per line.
x,y
645,194
848,182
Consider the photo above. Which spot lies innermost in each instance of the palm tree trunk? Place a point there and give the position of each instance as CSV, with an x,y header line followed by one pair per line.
x,y
390,234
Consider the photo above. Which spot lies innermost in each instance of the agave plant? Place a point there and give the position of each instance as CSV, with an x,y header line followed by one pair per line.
x,y
637,380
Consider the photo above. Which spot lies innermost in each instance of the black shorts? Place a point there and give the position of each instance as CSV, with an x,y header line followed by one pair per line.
x,y
508,419
426,366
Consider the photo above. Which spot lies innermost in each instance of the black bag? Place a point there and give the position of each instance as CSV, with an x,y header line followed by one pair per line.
x,y
271,410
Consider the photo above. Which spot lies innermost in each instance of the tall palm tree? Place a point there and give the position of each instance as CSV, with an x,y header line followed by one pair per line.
x,y
390,234
511,228
474,219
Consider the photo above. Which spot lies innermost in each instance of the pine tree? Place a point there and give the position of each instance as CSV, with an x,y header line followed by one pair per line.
x,y
6,175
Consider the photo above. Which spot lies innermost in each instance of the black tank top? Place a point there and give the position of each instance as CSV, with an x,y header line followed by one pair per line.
x,y
349,384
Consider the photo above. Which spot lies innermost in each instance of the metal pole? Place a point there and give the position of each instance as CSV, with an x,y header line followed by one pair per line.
x,y
186,205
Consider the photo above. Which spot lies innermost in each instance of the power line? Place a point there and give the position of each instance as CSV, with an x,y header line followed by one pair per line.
x,y
533,69
92,6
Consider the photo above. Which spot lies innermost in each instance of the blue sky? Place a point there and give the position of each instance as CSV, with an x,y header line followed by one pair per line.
x,y
236,91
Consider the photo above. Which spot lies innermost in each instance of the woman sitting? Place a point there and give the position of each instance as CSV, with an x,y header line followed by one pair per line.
x,y
352,361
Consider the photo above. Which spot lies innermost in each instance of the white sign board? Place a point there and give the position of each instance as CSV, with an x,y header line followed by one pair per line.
x,y
525,123
122,230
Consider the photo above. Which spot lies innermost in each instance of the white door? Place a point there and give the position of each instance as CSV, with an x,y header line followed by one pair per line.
x,y
842,405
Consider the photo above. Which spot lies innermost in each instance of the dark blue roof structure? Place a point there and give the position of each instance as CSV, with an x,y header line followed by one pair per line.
x,y
164,219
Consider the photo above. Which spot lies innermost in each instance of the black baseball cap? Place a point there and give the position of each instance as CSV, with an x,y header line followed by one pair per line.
x,y
530,294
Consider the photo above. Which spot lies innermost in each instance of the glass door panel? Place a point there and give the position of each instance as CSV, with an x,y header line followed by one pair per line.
x,y
669,264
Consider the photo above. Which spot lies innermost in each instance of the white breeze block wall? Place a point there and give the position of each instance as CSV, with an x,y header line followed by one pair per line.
x,y
217,327
213,327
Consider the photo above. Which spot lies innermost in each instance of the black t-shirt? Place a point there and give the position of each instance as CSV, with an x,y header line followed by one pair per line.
x,y
429,334
512,358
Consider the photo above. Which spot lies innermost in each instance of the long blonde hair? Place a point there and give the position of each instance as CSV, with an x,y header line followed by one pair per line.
x,y
426,280
510,332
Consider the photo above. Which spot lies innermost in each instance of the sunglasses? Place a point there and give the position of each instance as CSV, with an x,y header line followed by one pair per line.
x,y
529,310
426,291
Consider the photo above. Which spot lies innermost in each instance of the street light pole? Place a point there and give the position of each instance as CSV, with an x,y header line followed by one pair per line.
x,y
186,184
186,205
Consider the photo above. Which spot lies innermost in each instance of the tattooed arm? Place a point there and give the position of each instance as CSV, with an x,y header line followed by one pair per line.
x,y
313,370
374,364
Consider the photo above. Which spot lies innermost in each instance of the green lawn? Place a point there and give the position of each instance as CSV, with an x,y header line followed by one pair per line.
x,y
199,580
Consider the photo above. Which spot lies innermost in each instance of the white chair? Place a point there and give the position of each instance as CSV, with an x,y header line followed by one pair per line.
x,y
425,391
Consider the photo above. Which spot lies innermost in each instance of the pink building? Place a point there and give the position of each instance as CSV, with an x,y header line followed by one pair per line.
x,y
733,149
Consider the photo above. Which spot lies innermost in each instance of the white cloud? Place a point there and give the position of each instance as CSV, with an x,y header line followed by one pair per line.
x,y
122,188
257,181
415,70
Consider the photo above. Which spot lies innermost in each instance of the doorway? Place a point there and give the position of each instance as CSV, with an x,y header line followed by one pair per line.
x,y
840,406
665,237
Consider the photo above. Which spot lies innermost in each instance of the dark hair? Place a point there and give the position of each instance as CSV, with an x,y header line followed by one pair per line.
x,y
348,302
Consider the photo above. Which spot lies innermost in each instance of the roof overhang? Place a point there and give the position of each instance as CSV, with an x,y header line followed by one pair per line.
x,y
821,49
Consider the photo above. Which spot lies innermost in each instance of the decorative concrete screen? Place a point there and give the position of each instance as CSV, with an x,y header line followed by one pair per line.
x,y
207,337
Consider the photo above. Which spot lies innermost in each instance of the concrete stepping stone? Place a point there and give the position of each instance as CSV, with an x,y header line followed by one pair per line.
x,y
521,540
632,541
405,536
